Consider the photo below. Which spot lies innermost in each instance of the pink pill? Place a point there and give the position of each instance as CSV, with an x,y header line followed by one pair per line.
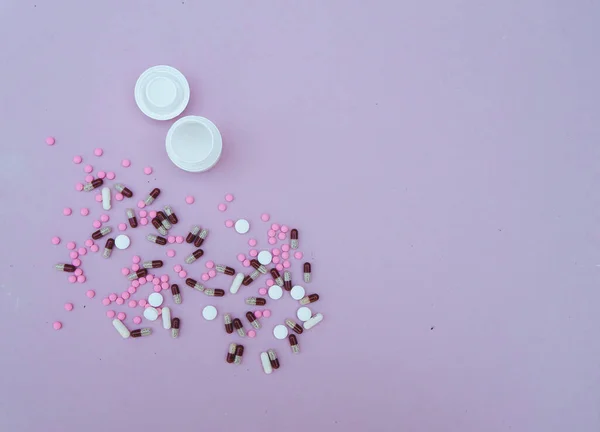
x,y
164,278
275,227
151,214
222,207
284,228
135,259
125,271
110,175
212,273
146,306
84,211
285,255
73,254
94,248
270,282
67,211
71,245
122,227
272,240
251,333
57,325
78,272
228,223
68,306
104,217
119,196
76,262
275,251
132,303
79,186
281,236
177,268
72,279
88,168
266,313
126,163
156,288
143,221
279,267
258,313
209,264
137,320
241,257
135,267
82,251
110,314
50,140
98,197
271,233
164,286
141,204
229,197
89,178
143,213
55,240
276,260
253,253
149,278
125,294
77,159
148,170
171,239
205,277
98,152
179,239
182,274
96,224
101,174
298,255
142,302
262,291
156,281
91,293
112,297
135,284
159,309
265,217
252,242
121,315
89,242
105,301
189,199
287,264
285,247
246,263
131,290
119,300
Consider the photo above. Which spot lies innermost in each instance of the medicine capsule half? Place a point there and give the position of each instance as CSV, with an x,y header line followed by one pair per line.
x,y
156,239
69,268
125,191
228,323
175,323
309,299
251,278
307,272
96,183
256,301
231,353
287,280
152,264
217,292
152,196
224,269
141,332
138,274
252,319
294,238
201,237
101,233
171,215
176,293
194,256
239,352
193,234
258,266
131,218
294,343
192,283
277,277
159,227
273,359
108,247
239,327
164,220
296,327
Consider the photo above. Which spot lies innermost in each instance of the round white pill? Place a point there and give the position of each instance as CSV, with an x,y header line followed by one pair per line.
x,y
209,313
275,292
280,331
151,314
155,299
303,313
297,292
265,257
242,226
122,241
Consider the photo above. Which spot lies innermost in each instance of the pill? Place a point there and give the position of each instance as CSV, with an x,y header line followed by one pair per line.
x,y
68,306
110,314
123,331
253,253
287,280
108,247
242,226
273,359
265,217
231,353
106,198
69,268
122,241
192,283
256,301
194,256
166,318
130,213
137,274
237,283
121,316
150,313
262,291
55,240
209,313
266,313
313,321
182,274
205,276
124,190
160,228
201,237
214,292
229,197
239,352
298,255
266,363
275,292
252,242
148,170
224,269
276,260
307,272
246,263
265,257
193,234
285,248
140,332
258,266
251,333
280,331
251,278
152,264
156,239
119,300
303,313
175,323
271,233
176,293
252,320
228,223
294,238
84,211
152,196
297,292
309,299
294,326
228,323
222,207
294,344
239,327
277,277
155,299
131,303
189,199
101,233
94,184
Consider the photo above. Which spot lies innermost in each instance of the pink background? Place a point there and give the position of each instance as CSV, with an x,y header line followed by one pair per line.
x,y
440,159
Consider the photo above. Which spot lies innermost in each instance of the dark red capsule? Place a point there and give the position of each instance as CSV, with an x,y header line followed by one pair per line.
x,y
193,234
131,218
96,183
275,273
171,215
125,191
152,196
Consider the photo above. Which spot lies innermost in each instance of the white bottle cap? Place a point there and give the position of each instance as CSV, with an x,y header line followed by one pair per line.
x,y
194,144
162,92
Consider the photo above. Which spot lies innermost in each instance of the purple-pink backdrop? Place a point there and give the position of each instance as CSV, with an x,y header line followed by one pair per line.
x,y
440,159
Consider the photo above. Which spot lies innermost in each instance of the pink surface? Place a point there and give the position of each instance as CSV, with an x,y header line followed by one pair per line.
x,y
438,158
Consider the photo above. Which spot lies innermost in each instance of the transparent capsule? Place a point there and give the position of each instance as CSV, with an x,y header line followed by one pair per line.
x,y
287,280
239,327
201,237
239,352
276,277
273,359
307,272
194,256
192,283
156,239
231,353
101,233
294,343
162,217
141,332
131,218
217,292
252,319
152,264
138,274
176,293
125,191
108,247
193,234
224,269
294,239
228,323
175,323
159,227
152,196
69,268
258,266
96,183
296,327
256,301
171,215
251,278
309,299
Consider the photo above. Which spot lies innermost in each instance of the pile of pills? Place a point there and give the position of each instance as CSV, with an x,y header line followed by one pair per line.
x,y
160,222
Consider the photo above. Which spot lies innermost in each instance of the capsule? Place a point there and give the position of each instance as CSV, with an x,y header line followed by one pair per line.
x,y
217,292
131,218
224,269
294,343
193,234
162,217
201,237
287,280
152,264
296,327
239,352
307,272
159,227
256,301
309,299
258,266
194,256
277,277
176,293
101,233
294,236
121,328
266,363
252,319
138,274
228,324
239,327
156,239
106,198
108,247
231,353
69,268
237,283
273,359
152,196
171,215
175,322
313,321
125,191
141,332
251,278
96,183
192,283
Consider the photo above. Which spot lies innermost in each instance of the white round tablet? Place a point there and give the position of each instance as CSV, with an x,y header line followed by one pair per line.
x,y
155,299
242,226
275,292
151,314
209,313
265,257
280,331
297,292
303,313
122,241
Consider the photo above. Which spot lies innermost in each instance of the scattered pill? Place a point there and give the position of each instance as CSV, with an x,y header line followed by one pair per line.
x,y
150,313
110,175
316,319
265,217
284,228
132,303
285,248
171,253
141,332
252,320
55,240
189,199
307,272
297,292
242,226
77,159
271,233
119,300
256,301
229,197
175,323
246,263
294,326
111,314
50,141
121,316
298,255
280,331
209,313
237,283
155,299
137,319
106,301
78,272
272,240
222,207
122,241
126,163
230,358
239,352
275,292
294,343
67,211
262,291
98,151
72,279
253,253
205,277
252,242
265,257
179,239
148,170
96,224
303,313
57,325
239,327
251,334
68,306
166,317
101,174
123,331
88,168
79,187
281,236
228,223
266,363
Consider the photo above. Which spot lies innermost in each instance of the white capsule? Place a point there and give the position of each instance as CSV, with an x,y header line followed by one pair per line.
x,y
237,283
316,319
123,331
266,363
166,317
106,198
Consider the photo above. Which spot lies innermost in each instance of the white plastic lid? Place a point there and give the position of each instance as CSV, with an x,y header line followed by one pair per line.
x,y
194,144
162,92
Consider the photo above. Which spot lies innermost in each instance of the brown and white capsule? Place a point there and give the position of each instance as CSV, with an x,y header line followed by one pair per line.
x,y
231,353
294,343
138,274
258,266
296,327
228,323
307,272
239,327
193,234
171,215
164,220
194,256
159,227
123,190
175,323
108,248
131,218
152,264
69,268
252,320
152,196
176,293
239,352
156,239
273,359
251,278
201,237
217,292
287,280
294,239
94,184
140,332
309,299
224,269
96,235
192,283
256,301
276,277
